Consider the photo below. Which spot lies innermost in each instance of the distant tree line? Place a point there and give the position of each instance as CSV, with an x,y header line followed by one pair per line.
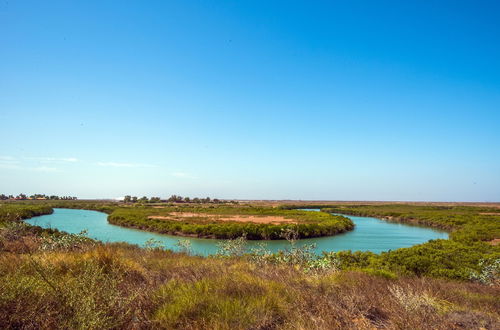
x,y
36,196
171,199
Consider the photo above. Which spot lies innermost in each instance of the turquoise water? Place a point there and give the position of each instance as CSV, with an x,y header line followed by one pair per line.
x,y
370,234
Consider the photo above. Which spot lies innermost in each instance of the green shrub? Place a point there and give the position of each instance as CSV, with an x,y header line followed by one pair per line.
x,y
380,272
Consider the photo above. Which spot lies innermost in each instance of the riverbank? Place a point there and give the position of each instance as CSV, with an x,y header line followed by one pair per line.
x,y
465,223
49,284
370,234
463,256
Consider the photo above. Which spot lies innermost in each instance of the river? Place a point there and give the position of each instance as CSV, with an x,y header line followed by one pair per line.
x,y
370,234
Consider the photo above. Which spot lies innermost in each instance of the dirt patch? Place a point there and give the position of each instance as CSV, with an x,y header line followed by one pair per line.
x,y
495,241
180,216
489,213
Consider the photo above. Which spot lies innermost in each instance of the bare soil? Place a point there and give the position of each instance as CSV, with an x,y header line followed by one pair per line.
x,y
180,216
495,241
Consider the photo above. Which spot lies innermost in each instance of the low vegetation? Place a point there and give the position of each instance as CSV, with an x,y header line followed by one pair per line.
x,y
464,256
466,222
208,221
55,280
83,284
13,212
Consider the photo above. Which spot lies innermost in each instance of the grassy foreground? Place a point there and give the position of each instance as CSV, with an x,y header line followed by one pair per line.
x,y
69,282
56,280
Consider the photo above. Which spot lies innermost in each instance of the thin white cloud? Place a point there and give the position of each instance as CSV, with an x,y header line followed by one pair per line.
x,y
8,162
9,166
116,164
54,159
70,159
44,169
183,175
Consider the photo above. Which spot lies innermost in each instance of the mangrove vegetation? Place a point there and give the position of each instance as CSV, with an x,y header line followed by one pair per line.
x,y
229,222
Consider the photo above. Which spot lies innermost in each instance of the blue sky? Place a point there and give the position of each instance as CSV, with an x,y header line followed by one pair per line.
x,y
343,100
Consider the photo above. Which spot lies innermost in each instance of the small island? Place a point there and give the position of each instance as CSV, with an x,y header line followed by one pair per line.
x,y
229,221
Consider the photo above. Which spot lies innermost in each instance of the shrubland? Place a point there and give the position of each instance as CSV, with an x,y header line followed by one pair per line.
x,y
52,280
91,285
204,222
470,249
10,212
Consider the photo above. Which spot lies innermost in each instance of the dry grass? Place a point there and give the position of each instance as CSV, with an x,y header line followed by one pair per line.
x,y
115,286
276,203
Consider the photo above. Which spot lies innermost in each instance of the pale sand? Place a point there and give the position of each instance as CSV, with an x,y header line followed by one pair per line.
x,y
180,216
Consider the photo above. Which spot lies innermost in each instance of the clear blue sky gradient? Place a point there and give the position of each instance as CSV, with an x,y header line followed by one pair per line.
x,y
344,100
